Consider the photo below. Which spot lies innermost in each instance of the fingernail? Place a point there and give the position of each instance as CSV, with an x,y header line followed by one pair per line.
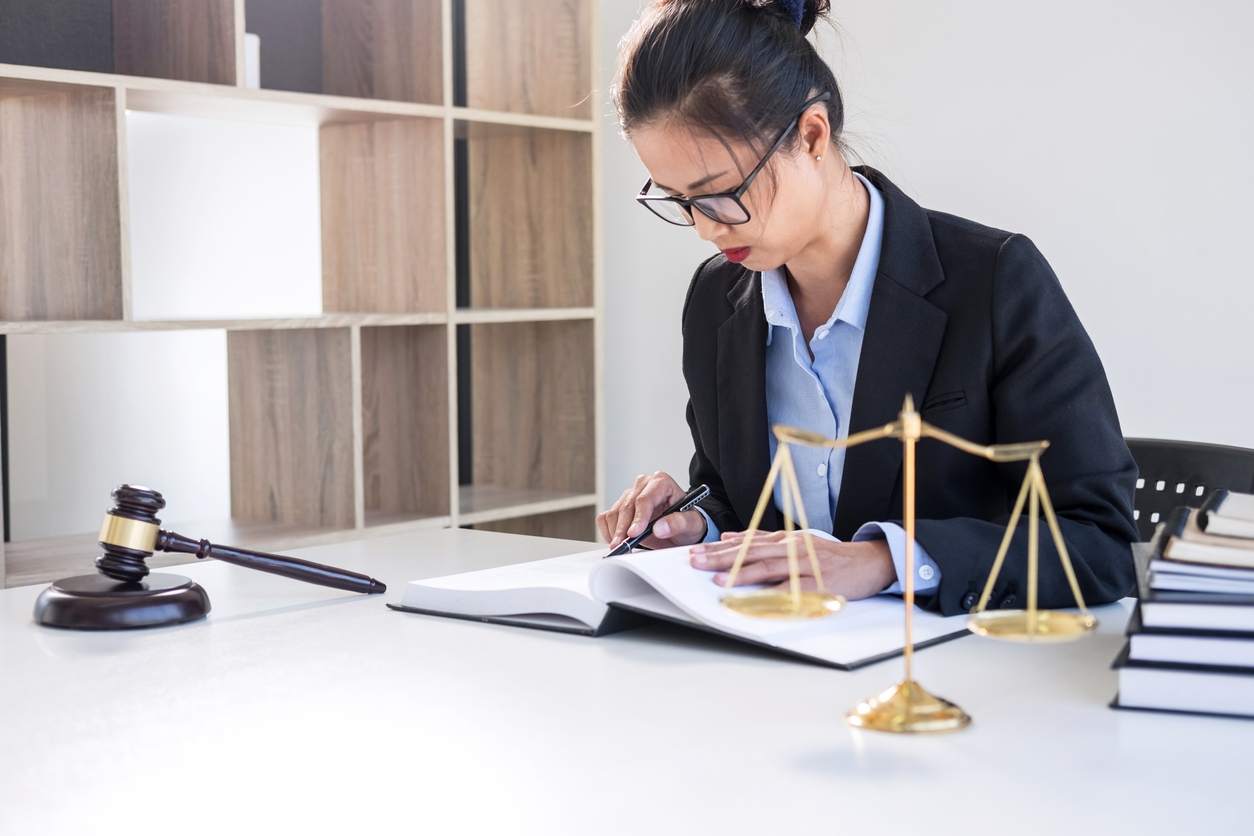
x,y
700,559
697,549
721,579
662,529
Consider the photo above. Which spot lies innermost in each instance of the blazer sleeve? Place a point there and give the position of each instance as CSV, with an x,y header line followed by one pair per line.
x,y
1047,382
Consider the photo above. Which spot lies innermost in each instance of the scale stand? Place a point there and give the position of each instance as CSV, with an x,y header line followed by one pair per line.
x,y
907,707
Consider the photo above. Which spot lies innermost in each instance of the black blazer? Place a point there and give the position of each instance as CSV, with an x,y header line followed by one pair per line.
x,y
973,323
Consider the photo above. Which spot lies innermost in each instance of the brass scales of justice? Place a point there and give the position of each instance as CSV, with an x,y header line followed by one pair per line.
x,y
906,707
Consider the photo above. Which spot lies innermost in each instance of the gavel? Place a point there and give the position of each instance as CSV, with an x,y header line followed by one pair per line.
x,y
131,533
124,595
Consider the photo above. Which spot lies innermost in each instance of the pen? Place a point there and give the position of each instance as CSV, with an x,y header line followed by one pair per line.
x,y
685,503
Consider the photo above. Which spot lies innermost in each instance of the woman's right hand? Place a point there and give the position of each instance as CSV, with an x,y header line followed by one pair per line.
x,y
649,496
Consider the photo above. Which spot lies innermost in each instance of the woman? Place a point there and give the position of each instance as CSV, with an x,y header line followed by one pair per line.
x,y
833,297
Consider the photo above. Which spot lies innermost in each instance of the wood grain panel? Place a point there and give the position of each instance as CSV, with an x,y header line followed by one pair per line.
x,y
291,426
531,234
60,238
533,405
383,49
530,57
575,524
383,215
189,40
404,380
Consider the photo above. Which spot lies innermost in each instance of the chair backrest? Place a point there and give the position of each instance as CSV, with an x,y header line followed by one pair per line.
x,y
1175,473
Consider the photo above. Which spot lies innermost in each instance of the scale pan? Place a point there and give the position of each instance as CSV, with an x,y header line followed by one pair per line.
x,y
1047,626
778,603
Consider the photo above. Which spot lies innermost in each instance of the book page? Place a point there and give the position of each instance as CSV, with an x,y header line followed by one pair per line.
x,y
862,629
566,572
1238,505
557,586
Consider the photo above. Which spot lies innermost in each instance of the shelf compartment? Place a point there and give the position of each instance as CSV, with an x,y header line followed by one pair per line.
x,y
60,219
382,49
190,40
405,426
572,524
524,209
532,57
70,34
531,415
383,247
291,425
224,220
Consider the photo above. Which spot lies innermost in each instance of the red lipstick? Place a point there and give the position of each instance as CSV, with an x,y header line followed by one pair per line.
x,y
737,255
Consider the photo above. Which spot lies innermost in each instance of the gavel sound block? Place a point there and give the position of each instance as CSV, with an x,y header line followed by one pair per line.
x,y
123,595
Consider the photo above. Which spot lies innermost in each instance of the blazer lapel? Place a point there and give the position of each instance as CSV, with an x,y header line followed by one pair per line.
x,y
899,350
744,448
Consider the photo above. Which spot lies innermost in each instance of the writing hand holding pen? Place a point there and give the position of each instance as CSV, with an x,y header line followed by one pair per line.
x,y
646,502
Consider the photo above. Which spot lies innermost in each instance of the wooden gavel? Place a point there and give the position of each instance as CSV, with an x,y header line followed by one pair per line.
x,y
131,533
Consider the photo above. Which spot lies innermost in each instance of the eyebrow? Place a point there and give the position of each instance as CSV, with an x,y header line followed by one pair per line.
x,y
708,179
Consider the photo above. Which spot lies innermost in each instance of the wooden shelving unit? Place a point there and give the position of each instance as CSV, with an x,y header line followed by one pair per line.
x,y
347,425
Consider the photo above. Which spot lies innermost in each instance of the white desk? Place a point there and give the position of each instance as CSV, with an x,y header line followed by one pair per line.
x,y
298,709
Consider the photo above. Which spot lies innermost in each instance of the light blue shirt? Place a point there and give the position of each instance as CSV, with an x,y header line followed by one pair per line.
x,y
817,395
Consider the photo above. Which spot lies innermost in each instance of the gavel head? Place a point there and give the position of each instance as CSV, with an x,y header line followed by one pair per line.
x,y
129,533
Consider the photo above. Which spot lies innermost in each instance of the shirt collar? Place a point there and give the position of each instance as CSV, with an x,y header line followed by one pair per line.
x,y
856,300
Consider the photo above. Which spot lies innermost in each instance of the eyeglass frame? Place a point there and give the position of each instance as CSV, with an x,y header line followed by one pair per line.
x,y
735,194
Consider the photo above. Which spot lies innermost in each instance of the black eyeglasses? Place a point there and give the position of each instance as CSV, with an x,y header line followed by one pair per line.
x,y
724,207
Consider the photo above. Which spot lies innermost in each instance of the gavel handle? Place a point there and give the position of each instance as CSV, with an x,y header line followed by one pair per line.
x,y
288,567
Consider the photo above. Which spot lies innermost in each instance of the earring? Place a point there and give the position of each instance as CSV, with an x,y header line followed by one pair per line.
x,y
820,159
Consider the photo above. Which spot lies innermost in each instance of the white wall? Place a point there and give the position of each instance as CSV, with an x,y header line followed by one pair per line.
x,y
648,264
1114,134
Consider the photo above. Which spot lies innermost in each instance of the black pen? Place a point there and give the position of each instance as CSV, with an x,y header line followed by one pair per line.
x,y
685,503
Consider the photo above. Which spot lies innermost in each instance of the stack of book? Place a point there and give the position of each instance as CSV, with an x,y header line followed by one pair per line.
x,y
1191,639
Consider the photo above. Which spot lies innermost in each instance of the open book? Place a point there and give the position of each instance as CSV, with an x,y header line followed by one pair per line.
x,y
584,593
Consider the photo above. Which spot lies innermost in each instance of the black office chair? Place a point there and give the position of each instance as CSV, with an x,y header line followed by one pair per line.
x,y
1175,473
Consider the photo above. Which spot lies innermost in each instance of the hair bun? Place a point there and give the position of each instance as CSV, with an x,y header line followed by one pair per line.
x,y
802,13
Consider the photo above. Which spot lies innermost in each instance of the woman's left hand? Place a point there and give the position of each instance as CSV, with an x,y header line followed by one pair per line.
x,y
854,570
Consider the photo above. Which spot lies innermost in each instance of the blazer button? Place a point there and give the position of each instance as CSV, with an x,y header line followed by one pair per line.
x,y
1008,601
969,601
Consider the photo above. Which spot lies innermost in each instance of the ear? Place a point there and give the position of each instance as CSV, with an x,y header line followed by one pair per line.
x,y
815,131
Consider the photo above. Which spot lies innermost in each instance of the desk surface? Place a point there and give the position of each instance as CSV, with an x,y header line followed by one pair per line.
x,y
296,708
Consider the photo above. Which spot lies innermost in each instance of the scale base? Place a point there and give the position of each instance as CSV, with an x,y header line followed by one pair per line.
x,y
779,603
906,708
98,602
1041,626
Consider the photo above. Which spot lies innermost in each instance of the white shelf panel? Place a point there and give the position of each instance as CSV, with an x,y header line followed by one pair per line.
x,y
333,320
219,101
489,503
468,316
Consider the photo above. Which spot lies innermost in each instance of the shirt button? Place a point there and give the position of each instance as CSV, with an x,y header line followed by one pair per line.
x,y
926,572
822,469
969,601
822,335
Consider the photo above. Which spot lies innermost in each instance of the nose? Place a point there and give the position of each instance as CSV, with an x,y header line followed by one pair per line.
x,y
707,227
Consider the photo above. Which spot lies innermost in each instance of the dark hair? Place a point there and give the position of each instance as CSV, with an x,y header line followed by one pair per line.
x,y
736,69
